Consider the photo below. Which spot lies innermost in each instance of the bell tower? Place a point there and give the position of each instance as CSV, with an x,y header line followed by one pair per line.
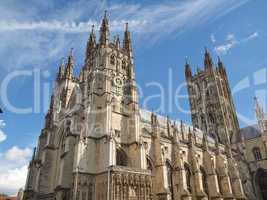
x,y
211,102
113,112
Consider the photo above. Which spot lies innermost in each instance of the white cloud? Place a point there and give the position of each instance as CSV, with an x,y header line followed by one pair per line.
x,y
160,19
251,36
2,123
231,42
37,38
13,179
20,156
13,169
212,38
3,136
230,37
66,27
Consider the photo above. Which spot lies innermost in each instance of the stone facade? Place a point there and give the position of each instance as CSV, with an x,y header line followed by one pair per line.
x,y
97,144
251,143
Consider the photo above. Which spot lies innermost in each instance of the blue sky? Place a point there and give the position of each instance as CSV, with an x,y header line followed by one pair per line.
x,y
36,34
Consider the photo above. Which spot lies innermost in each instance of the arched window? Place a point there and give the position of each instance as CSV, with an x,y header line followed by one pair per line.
x,y
121,157
188,177
257,153
112,59
204,180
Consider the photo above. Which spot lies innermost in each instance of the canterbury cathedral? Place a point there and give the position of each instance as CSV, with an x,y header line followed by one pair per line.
x,y
97,144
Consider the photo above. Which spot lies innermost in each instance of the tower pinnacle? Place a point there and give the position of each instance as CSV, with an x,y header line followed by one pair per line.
x,y
188,71
259,110
70,66
127,43
61,69
104,30
91,43
207,60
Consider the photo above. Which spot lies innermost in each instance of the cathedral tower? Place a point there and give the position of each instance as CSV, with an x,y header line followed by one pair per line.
x,y
211,101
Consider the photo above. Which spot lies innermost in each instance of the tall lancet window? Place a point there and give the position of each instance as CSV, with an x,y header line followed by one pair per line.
x,y
188,177
169,177
257,153
204,180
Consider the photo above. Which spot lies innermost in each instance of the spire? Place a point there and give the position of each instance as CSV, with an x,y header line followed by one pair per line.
x,y
191,138
154,120
61,69
91,43
70,66
207,61
168,121
127,43
259,110
117,41
51,107
220,63
49,115
188,71
34,153
178,162
104,30
221,66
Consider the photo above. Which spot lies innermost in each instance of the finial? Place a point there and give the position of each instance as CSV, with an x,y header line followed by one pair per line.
x,y
105,13
186,61
71,51
93,28
126,26
206,49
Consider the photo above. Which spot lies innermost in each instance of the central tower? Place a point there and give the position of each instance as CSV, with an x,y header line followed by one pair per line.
x,y
111,92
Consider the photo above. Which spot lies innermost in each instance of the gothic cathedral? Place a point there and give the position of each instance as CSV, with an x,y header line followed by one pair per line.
x,y
97,144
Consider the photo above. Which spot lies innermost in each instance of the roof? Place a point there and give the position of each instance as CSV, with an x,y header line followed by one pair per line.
x,y
146,117
250,132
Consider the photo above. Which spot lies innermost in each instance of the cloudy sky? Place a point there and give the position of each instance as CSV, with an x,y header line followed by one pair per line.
x,y
35,35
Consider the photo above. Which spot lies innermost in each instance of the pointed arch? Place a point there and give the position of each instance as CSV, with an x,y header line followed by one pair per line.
x,y
149,163
260,183
188,175
204,180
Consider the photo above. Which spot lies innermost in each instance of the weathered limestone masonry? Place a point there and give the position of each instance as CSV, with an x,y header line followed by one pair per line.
x,y
97,144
